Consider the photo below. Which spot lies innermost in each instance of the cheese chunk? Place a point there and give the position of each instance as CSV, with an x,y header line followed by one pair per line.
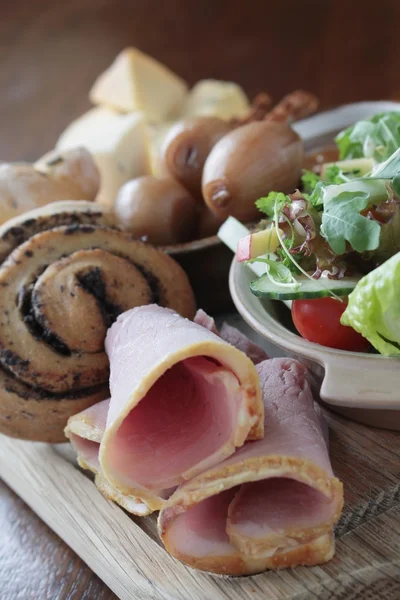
x,y
222,99
136,81
157,133
118,144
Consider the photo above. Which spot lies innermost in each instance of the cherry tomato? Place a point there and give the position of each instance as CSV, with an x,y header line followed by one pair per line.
x,y
318,321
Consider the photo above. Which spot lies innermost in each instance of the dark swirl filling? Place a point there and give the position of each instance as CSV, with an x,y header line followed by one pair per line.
x,y
26,392
153,283
35,328
93,283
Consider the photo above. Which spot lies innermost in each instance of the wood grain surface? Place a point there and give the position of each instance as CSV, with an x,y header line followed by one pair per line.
x,y
50,53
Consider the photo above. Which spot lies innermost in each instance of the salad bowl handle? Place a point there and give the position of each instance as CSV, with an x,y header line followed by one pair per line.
x,y
360,381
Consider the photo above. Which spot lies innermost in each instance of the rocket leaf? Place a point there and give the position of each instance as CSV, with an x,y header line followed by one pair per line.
x,y
342,221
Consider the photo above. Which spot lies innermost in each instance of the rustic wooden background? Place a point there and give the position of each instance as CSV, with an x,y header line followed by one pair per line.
x,y
50,53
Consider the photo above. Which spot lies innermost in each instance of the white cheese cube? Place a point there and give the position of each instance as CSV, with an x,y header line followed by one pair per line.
x,y
136,81
222,99
118,144
157,133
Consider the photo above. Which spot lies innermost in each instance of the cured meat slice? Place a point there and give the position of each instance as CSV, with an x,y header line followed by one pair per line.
x,y
272,504
85,431
182,400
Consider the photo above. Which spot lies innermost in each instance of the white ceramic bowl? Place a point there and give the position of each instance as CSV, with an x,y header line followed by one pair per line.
x,y
364,387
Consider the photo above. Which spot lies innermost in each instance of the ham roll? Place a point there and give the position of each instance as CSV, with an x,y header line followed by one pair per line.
x,y
65,278
182,400
86,429
274,503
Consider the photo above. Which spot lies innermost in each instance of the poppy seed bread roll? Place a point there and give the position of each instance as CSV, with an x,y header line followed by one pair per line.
x,y
66,280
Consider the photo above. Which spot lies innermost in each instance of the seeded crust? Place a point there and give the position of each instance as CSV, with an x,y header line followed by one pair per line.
x,y
69,212
34,414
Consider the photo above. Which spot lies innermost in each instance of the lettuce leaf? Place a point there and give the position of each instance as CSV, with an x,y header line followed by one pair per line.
x,y
374,309
377,137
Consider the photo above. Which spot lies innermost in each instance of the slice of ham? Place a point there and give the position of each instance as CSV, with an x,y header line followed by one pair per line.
x,y
85,431
272,504
182,400
233,336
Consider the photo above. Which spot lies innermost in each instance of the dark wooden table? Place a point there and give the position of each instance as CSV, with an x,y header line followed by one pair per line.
x,y
50,53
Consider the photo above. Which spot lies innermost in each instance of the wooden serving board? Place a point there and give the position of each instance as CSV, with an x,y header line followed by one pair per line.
x,y
126,554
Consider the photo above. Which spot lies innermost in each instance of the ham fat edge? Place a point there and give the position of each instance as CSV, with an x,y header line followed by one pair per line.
x,y
182,400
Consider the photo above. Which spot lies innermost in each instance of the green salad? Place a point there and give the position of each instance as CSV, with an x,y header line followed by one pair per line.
x,y
333,246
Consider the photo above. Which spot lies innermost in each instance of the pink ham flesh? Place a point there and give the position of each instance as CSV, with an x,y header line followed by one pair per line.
x,y
272,505
87,451
256,509
275,513
91,423
184,419
203,527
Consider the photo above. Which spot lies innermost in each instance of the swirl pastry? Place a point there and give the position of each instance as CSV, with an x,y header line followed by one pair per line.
x,y
67,278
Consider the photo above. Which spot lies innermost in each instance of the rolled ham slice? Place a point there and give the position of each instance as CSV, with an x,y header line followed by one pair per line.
x,y
85,431
182,400
272,504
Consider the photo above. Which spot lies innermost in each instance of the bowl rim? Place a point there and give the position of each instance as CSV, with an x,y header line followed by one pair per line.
x,y
351,379
293,341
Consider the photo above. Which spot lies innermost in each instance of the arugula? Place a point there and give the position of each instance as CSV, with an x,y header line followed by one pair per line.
x,y
377,137
343,203
309,179
390,169
342,221
267,203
